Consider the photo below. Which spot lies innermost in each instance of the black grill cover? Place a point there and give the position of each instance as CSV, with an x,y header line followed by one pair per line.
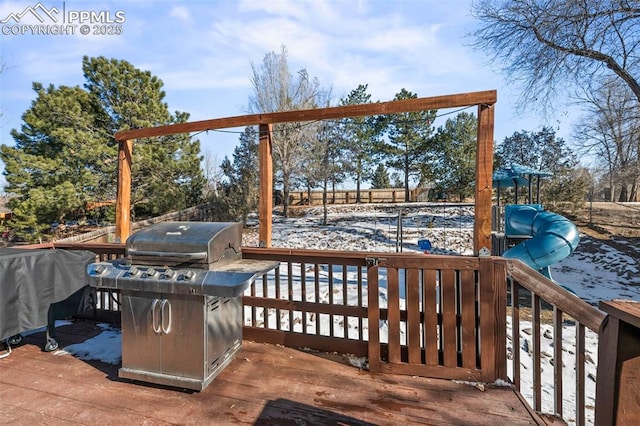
x,y
31,280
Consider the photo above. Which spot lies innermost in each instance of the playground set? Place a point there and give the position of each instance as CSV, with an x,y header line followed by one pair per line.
x,y
527,232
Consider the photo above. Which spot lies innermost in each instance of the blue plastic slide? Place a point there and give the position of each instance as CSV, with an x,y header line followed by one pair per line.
x,y
553,237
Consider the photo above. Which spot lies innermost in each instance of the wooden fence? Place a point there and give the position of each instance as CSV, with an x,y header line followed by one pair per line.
x,y
349,196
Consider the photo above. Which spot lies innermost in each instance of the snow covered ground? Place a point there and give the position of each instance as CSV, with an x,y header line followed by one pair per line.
x,y
596,271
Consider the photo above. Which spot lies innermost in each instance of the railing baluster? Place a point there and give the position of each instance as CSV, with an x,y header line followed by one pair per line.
x,y
290,292
557,360
430,308
373,302
331,333
278,296
345,319
360,304
253,308
413,316
580,374
303,293
316,286
393,318
515,331
468,318
265,293
448,309
535,336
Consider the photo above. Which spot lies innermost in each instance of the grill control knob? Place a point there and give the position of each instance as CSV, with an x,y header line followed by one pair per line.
x,y
188,275
98,269
151,272
169,274
134,271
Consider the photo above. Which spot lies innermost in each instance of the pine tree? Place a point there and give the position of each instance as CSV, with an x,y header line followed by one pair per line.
x,y
380,178
545,152
361,136
454,155
408,143
65,154
240,190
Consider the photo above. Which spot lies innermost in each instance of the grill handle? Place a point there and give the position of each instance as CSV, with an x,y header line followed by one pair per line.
x,y
155,324
191,256
165,310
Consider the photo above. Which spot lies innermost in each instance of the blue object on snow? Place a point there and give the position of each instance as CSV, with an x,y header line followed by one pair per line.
x,y
424,245
553,237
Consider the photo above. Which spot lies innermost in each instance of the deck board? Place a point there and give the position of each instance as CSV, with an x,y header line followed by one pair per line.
x,y
265,384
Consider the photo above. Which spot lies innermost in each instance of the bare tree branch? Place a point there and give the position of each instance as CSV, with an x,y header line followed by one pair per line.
x,y
553,46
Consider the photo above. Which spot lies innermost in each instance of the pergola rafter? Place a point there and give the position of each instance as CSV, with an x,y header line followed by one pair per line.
x,y
485,101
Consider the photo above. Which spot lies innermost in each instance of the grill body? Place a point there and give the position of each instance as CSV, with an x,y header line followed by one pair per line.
x,y
181,285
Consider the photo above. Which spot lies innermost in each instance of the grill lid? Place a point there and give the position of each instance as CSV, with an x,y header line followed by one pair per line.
x,y
185,243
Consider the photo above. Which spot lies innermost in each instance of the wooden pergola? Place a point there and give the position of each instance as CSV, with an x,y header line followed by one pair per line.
x,y
484,100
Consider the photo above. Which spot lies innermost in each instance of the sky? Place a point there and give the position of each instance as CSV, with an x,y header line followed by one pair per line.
x,y
203,51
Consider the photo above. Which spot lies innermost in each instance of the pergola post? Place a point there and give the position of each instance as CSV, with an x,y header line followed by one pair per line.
x,y
484,173
265,201
123,198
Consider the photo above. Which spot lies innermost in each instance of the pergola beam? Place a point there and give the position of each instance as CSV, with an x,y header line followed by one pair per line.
x,y
392,107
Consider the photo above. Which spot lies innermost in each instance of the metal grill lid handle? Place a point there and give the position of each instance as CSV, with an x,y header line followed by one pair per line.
x,y
191,256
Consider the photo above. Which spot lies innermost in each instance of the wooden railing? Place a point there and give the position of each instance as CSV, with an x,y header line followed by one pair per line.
x,y
436,316
550,313
441,316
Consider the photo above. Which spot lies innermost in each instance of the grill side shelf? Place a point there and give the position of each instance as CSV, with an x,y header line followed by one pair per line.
x,y
228,280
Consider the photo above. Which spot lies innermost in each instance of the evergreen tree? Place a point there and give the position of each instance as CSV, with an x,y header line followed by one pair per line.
x,y
544,152
60,159
166,172
539,150
241,188
65,154
361,136
453,160
380,178
408,143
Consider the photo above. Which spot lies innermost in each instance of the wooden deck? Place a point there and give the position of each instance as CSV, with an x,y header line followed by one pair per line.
x,y
265,384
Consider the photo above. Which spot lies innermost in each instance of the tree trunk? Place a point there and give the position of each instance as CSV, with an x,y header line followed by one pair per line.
x,y
623,194
633,195
333,192
285,198
324,203
611,188
406,185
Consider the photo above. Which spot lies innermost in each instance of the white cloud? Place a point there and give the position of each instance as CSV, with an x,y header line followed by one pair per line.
x,y
181,13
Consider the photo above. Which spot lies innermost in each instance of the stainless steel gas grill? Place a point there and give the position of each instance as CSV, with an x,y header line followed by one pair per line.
x,y
181,285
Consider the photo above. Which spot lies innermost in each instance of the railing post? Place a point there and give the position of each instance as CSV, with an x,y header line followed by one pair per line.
x,y
493,318
618,378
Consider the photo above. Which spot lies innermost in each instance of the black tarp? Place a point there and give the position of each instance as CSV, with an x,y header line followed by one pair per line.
x,y
32,280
